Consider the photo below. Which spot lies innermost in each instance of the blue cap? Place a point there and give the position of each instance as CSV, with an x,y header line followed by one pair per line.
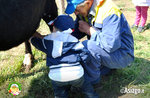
x,y
64,22
72,4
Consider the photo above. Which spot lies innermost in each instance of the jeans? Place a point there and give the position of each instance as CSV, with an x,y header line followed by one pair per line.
x,y
61,88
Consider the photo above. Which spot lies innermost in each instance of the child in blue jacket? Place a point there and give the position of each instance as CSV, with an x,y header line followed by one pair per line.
x,y
65,54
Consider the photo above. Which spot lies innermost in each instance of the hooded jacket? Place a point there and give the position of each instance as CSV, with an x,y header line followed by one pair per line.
x,y
64,55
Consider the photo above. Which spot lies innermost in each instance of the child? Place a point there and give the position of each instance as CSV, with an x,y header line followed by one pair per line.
x,y
64,57
141,14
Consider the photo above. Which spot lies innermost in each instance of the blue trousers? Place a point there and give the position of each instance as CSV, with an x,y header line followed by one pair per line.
x,y
99,57
61,88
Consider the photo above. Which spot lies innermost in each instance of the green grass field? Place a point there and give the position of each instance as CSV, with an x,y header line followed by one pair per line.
x,y
36,83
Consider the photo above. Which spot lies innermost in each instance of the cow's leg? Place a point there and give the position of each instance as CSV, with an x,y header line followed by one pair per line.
x,y
61,5
28,57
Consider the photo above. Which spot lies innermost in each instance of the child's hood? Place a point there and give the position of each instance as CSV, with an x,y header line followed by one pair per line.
x,y
62,43
64,36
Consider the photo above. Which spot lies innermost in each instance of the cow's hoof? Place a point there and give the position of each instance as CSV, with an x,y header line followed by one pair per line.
x,y
27,62
27,68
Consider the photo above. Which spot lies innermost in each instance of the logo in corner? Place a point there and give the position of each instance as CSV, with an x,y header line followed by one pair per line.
x,y
14,88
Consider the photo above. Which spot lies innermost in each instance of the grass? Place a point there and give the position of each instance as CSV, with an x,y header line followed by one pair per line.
x,y
36,83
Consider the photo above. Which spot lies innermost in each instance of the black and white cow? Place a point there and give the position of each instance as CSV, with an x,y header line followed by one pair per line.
x,y
19,20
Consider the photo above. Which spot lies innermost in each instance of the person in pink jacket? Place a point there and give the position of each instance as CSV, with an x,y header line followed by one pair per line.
x,y
141,14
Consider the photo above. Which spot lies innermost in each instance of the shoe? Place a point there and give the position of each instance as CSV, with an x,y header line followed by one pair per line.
x,y
105,70
134,27
140,29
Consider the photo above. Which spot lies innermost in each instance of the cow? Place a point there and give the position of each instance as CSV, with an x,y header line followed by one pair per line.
x,y
28,58
19,20
61,5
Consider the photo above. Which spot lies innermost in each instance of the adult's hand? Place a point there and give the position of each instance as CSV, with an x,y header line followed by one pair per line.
x,y
84,27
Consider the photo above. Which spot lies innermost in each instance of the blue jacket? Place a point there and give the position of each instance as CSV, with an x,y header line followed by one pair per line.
x,y
111,44
64,52
70,52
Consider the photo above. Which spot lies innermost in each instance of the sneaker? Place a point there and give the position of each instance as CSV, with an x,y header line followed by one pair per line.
x,y
105,70
140,29
134,27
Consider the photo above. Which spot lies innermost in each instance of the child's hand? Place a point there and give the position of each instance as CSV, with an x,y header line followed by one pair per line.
x,y
38,35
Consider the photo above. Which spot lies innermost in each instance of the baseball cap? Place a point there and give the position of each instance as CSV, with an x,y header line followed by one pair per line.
x,y
63,22
71,6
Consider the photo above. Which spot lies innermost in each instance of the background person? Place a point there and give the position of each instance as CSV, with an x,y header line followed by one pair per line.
x,y
141,14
